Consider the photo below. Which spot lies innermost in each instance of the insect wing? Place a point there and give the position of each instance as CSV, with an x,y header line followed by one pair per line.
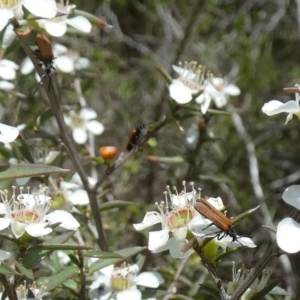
x,y
44,46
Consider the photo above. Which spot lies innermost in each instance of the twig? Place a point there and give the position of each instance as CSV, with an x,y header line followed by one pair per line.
x,y
73,153
212,271
8,287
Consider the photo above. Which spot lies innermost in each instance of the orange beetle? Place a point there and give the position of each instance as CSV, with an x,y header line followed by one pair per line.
x,y
44,53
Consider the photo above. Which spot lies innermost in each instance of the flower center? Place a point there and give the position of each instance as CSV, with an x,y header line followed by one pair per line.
x,y
179,218
77,122
120,283
9,3
28,216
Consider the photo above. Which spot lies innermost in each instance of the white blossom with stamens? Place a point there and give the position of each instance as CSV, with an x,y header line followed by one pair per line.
x,y
174,220
122,282
191,81
28,213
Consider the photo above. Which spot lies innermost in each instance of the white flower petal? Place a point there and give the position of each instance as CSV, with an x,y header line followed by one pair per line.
x,y
175,248
66,219
132,294
81,63
4,255
99,289
56,28
95,127
79,197
232,90
275,107
59,49
41,8
278,291
288,231
151,218
291,196
26,66
157,239
4,223
79,135
8,133
180,233
6,85
8,36
17,228
148,279
206,99
38,229
65,64
80,23
180,92
88,114
5,15
216,202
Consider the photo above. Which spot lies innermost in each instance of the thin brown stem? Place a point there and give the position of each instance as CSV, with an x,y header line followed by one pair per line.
x,y
212,271
54,101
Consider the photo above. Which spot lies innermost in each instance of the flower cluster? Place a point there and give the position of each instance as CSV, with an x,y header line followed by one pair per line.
x,y
177,216
195,81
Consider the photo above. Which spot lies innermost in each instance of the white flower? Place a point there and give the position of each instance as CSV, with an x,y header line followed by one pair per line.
x,y
218,90
239,276
175,221
190,82
58,26
7,72
39,8
8,133
288,230
74,192
83,123
27,213
202,227
122,281
275,107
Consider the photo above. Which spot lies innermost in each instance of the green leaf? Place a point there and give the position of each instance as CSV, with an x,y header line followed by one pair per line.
x,y
102,263
131,251
101,254
61,247
125,253
26,272
114,204
34,254
167,159
227,253
146,294
10,171
244,215
5,269
57,279
59,239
